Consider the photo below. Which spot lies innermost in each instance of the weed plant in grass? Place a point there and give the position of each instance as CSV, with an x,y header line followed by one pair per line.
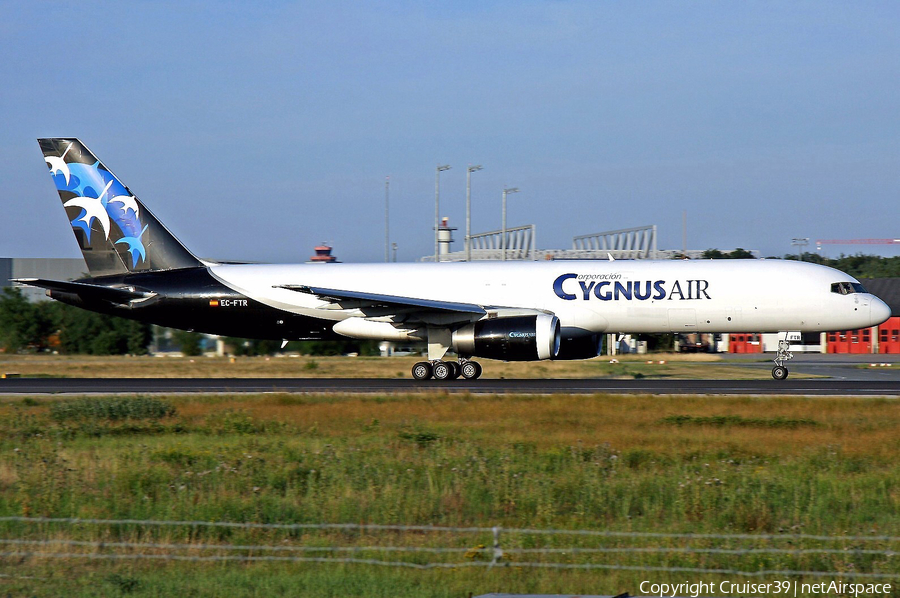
x,y
111,409
108,416
737,420
641,464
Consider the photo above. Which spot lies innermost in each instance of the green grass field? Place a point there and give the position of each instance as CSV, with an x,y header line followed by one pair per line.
x,y
717,465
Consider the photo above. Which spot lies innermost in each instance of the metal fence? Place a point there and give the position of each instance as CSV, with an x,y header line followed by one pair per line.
x,y
628,243
858,556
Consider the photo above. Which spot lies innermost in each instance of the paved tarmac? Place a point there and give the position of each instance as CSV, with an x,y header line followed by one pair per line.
x,y
845,375
863,368
80,386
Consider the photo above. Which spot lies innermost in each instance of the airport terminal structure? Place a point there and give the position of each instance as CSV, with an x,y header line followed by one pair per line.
x,y
35,267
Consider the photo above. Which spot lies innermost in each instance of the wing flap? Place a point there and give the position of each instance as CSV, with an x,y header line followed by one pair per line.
x,y
362,300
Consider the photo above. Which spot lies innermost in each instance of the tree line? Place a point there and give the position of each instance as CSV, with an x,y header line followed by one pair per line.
x,y
53,326
858,266
46,326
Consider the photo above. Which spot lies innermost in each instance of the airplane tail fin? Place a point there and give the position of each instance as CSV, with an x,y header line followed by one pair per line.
x,y
116,233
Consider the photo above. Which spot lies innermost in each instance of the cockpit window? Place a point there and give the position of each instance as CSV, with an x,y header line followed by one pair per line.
x,y
847,288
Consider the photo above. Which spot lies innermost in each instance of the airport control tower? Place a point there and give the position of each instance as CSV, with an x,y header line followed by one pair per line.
x,y
323,255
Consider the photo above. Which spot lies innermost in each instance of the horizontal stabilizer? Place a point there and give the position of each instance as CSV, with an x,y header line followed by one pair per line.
x,y
86,290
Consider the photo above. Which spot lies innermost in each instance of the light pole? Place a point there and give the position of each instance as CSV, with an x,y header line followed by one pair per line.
x,y
387,236
437,205
800,242
469,172
503,232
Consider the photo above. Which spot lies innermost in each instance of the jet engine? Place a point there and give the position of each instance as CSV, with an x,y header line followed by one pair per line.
x,y
580,347
513,338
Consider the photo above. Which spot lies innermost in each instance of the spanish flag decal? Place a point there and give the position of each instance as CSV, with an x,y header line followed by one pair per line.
x,y
214,303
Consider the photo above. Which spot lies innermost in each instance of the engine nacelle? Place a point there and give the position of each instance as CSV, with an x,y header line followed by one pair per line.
x,y
377,330
580,347
514,338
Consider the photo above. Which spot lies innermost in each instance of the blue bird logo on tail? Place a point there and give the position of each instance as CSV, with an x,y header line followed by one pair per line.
x,y
102,198
135,248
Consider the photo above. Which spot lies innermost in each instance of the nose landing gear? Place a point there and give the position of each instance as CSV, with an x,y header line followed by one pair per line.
x,y
446,370
779,372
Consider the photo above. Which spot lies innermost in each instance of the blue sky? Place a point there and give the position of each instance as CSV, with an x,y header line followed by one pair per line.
x,y
257,131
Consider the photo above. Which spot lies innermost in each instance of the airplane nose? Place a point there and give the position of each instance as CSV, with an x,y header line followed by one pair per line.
x,y
879,311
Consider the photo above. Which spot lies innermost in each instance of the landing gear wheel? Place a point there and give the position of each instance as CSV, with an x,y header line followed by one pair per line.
x,y
779,372
422,371
456,370
471,370
441,370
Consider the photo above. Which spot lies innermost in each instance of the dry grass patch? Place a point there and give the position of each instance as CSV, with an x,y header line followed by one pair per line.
x,y
675,366
752,425
858,426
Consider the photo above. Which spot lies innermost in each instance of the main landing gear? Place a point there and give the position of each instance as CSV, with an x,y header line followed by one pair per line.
x,y
779,372
446,370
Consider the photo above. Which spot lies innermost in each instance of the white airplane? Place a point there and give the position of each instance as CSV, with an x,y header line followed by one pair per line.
x,y
524,311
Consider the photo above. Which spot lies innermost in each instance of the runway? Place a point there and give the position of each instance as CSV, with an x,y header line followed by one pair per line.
x,y
80,386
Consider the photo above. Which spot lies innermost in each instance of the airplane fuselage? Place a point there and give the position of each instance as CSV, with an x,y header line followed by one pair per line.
x,y
250,300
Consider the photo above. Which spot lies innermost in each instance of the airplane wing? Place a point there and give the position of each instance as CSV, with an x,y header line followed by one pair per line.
x,y
86,290
379,302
